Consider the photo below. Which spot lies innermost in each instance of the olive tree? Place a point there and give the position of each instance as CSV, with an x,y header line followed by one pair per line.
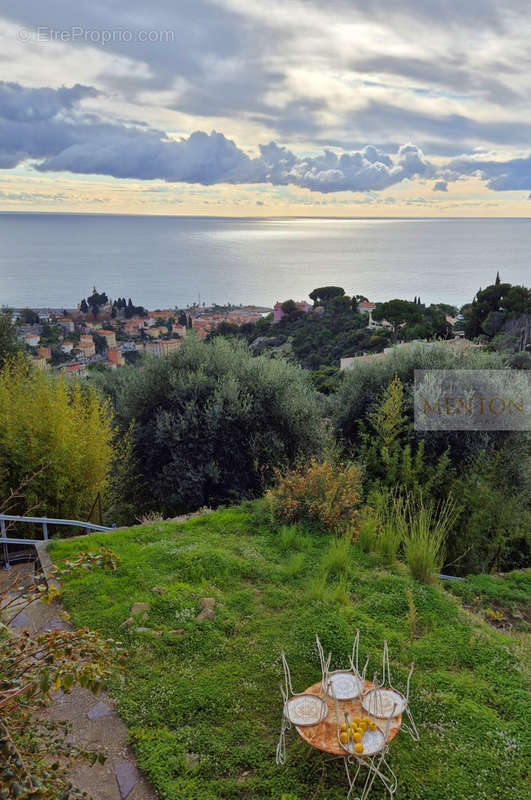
x,y
211,422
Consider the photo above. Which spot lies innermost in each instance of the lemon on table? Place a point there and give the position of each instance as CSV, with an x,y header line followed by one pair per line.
x,y
357,737
358,748
343,737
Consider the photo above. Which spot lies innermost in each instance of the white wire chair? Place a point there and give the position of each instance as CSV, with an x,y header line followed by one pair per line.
x,y
375,742
345,684
303,709
390,698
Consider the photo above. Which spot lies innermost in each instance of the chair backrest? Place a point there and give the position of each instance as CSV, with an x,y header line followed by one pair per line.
x,y
354,660
386,672
325,664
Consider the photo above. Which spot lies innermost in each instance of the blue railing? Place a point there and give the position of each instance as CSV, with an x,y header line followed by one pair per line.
x,y
6,540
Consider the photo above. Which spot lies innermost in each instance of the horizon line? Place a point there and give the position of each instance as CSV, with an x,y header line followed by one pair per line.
x,y
246,216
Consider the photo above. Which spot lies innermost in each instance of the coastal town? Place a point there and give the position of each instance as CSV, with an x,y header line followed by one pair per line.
x,y
105,334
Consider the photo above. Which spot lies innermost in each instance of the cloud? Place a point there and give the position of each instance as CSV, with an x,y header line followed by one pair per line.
x,y
53,130
48,127
442,73
500,175
369,169
21,104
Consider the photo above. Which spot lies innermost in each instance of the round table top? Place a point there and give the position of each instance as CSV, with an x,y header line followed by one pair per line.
x,y
323,736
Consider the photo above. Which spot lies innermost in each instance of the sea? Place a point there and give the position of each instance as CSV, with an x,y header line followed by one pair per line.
x,y
54,260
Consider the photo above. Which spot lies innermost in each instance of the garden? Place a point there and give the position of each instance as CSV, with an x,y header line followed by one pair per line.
x,y
199,691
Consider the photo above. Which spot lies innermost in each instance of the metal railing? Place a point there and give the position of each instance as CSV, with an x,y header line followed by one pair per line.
x,y
6,540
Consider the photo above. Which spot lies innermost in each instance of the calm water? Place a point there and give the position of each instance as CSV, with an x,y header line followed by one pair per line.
x,y
54,259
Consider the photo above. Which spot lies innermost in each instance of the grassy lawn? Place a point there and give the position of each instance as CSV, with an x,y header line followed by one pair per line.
x,y
204,709
504,600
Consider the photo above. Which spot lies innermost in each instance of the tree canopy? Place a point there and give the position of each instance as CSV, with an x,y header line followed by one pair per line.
x,y
483,314
325,293
397,312
8,336
211,422
57,436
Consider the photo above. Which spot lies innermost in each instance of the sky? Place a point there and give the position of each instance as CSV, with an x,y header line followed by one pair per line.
x,y
344,108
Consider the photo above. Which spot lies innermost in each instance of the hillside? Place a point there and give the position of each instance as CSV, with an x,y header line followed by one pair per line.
x,y
203,704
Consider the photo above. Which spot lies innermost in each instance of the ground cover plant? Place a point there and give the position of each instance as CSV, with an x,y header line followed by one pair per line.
x,y
504,600
201,697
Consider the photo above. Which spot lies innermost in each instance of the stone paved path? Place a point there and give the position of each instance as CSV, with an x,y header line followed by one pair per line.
x,y
95,722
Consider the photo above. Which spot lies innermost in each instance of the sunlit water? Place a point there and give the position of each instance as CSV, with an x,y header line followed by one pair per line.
x,y
54,259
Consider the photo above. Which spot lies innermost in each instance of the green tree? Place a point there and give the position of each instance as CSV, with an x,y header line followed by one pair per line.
x,y
363,386
499,298
397,312
390,456
341,304
212,422
289,308
96,301
60,430
29,317
51,334
323,294
9,345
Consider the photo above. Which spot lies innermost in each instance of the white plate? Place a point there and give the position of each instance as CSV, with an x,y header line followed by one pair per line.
x,y
344,685
372,741
306,709
380,703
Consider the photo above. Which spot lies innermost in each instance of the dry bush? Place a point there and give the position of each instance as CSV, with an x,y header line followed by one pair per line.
x,y
319,492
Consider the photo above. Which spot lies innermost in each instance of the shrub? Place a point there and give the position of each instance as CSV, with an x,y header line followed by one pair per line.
x,y
493,532
388,542
363,387
386,454
367,533
290,537
336,559
9,344
58,432
321,493
381,530
211,423
425,526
